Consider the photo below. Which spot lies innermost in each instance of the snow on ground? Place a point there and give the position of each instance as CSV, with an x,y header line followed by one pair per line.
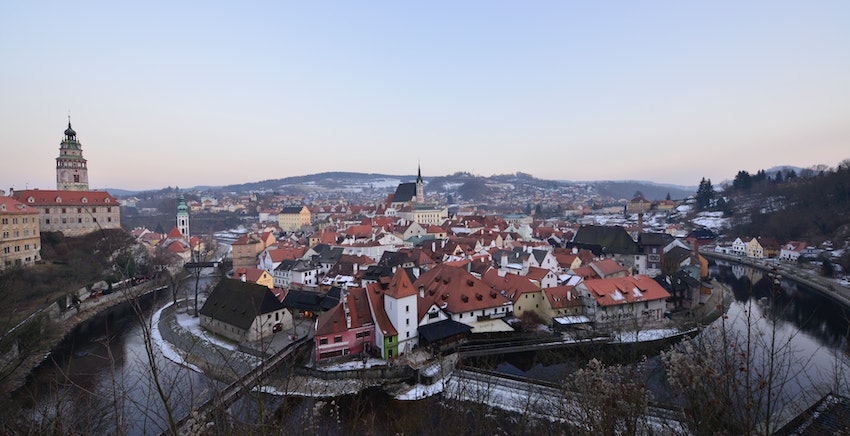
x,y
169,351
711,220
354,364
645,335
193,325
418,392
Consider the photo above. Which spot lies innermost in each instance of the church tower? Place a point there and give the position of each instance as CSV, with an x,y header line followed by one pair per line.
x,y
183,217
71,171
420,187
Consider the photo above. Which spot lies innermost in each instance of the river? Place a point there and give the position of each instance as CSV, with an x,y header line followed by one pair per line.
x,y
100,379
810,331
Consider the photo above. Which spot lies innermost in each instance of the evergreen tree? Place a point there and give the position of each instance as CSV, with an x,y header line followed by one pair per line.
x,y
705,194
743,181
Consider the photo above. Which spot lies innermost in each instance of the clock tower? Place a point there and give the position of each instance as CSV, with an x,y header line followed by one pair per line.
x,y
71,170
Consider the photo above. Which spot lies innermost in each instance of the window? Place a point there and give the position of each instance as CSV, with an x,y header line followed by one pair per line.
x,y
407,308
337,339
47,221
79,210
5,250
407,321
64,210
323,341
433,315
408,334
5,221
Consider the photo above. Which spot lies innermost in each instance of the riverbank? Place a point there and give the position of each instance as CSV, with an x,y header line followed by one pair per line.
x,y
54,325
827,287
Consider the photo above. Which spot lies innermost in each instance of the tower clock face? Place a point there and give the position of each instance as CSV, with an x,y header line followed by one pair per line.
x,y
66,177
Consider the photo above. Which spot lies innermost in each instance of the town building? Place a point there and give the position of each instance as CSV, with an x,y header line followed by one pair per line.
x,y
626,302
291,219
347,328
244,311
20,244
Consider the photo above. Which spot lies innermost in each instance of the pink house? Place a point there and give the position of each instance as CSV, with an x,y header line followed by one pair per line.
x,y
347,328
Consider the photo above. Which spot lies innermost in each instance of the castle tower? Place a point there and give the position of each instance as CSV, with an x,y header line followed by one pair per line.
x,y
420,186
71,171
183,217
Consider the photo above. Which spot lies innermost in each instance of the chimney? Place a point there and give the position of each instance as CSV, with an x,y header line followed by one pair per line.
x,y
11,192
421,291
243,278
356,268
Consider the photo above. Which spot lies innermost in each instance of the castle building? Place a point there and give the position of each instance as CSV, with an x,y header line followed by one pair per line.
x,y
71,168
72,208
19,235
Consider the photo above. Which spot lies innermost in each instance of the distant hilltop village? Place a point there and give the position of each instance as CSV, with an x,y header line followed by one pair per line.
x,y
71,208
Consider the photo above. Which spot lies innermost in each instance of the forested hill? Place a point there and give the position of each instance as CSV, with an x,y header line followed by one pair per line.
x,y
814,208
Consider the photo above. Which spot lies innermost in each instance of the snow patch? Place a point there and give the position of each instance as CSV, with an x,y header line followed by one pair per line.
x,y
169,351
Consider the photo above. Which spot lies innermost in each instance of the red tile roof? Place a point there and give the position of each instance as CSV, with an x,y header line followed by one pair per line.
x,y
11,206
376,300
38,197
621,290
561,297
456,291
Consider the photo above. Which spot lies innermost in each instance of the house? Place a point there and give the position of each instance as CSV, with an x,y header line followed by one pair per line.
x,y
608,268
386,336
402,308
244,312
347,328
525,295
254,275
652,245
624,301
791,251
739,246
563,307
297,272
20,244
292,219
74,213
460,295
610,241
247,249
754,249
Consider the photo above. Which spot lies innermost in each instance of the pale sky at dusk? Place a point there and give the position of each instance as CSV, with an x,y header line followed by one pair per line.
x,y
165,93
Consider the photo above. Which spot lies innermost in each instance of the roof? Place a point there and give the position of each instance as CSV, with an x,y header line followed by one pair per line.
x,y
9,205
442,330
513,285
607,267
175,233
311,301
621,290
404,192
334,320
251,274
654,239
375,295
291,210
401,285
608,239
38,197
561,297
237,303
455,290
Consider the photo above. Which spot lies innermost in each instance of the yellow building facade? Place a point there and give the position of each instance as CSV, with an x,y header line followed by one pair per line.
x,y
20,238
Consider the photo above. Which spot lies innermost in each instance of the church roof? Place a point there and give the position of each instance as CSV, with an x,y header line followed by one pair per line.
x,y
405,192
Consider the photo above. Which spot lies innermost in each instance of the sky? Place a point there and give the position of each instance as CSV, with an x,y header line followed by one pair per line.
x,y
165,93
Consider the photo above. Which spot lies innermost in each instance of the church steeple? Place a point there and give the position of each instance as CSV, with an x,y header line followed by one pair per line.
x,y
420,186
72,172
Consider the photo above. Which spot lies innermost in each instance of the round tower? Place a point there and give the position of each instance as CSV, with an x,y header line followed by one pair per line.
x,y
72,172
183,217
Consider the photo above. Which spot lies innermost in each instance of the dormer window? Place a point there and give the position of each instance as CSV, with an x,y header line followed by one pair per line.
x,y
30,199
58,199
107,200
3,207
85,200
